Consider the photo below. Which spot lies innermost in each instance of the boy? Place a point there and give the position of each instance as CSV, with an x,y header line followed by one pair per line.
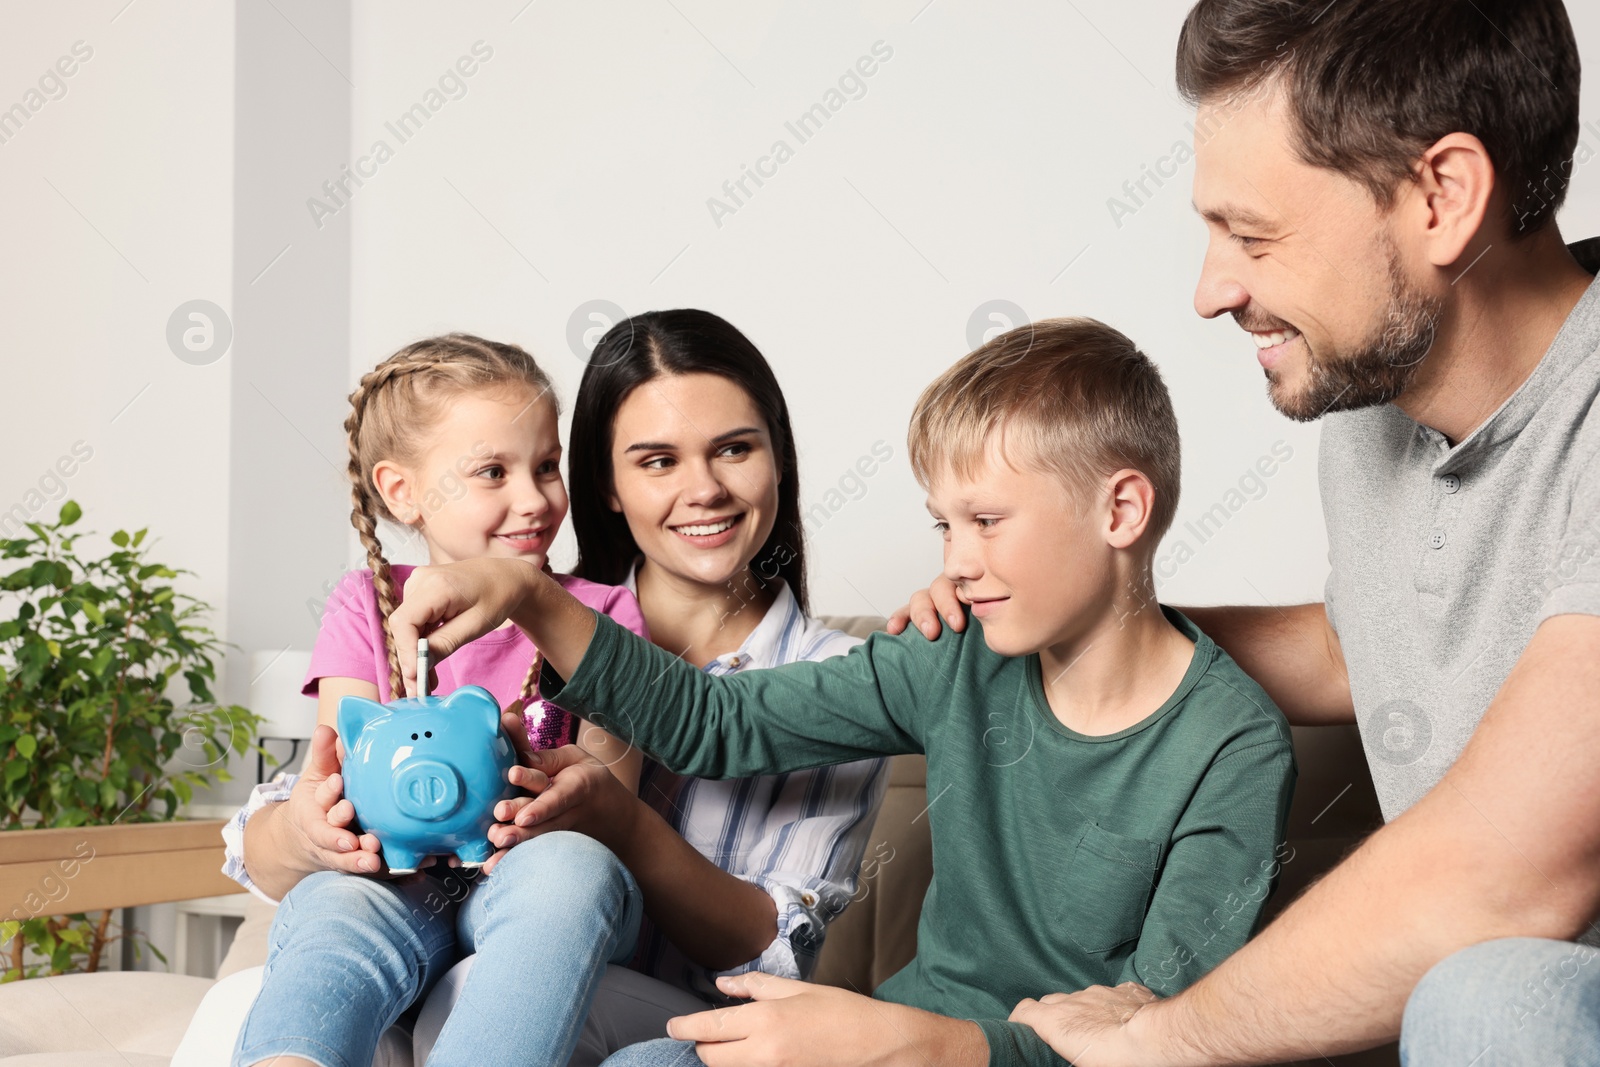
x,y
1106,787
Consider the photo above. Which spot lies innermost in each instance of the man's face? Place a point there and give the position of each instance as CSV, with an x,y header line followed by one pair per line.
x,y
1306,262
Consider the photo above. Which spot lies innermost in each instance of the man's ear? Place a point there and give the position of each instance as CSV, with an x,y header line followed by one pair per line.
x,y
1129,500
395,485
1451,197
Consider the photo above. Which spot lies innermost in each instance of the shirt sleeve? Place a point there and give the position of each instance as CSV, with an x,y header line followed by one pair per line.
x,y
345,645
793,717
623,606
808,859
1572,579
1017,1045
272,792
1225,855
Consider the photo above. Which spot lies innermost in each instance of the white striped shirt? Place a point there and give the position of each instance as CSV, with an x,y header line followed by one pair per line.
x,y
799,836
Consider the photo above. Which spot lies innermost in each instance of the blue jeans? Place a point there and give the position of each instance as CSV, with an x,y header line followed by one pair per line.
x,y
348,955
1515,1002
662,1052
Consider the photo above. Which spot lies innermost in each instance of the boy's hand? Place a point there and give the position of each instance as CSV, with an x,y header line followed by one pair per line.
x,y
453,604
1089,1028
928,605
780,1026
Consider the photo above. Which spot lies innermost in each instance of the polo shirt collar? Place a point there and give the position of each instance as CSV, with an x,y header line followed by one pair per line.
x,y
1577,340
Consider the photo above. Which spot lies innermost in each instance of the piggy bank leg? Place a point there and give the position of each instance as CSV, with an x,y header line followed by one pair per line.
x,y
401,860
475,854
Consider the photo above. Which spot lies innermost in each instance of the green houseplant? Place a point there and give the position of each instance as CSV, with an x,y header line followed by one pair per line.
x,y
91,650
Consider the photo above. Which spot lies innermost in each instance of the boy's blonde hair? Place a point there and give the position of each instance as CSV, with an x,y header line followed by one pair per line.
x,y
1070,397
394,406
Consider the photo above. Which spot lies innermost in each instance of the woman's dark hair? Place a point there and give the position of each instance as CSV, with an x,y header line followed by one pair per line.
x,y
633,352
1372,83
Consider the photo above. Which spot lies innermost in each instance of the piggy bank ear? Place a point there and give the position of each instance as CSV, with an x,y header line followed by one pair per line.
x,y
478,702
354,714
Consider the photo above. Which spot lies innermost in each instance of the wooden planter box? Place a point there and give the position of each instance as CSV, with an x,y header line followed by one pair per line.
x,y
90,868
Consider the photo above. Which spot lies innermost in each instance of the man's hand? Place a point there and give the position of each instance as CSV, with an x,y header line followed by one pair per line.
x,y
928,605
454,604
1088,1028
797,1024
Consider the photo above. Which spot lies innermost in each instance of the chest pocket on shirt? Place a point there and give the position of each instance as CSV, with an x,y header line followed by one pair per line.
x,y
1107,888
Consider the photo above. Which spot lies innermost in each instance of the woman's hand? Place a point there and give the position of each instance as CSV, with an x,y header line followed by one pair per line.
x,y
317,823
456,603
567,789
926,607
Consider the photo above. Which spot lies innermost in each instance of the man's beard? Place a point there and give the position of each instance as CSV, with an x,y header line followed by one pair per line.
x,y
1379,370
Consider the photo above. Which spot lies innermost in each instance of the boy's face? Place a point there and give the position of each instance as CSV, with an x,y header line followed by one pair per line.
x,y
1024,550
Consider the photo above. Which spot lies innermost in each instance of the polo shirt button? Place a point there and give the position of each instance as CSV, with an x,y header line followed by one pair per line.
x,y
1451,483
1437,540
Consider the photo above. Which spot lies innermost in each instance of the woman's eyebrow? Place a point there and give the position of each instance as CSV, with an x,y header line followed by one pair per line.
x,y
662,446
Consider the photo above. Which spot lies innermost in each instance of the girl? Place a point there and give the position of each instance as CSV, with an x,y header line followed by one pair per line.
x,y
456,438
686,491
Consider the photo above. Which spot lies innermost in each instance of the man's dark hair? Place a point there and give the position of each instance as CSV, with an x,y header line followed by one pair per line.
x,y
1372,83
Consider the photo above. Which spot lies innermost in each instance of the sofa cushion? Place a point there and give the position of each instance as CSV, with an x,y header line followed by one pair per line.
x,y
115,1015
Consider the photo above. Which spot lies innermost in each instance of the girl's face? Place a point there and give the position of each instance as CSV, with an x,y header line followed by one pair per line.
x,y
489,482
695,475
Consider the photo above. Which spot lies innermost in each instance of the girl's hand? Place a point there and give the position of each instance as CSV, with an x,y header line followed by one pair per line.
x,y
926,608
318,821
456,603
568,789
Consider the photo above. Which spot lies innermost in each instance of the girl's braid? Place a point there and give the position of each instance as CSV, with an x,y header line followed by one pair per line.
x,y
366,505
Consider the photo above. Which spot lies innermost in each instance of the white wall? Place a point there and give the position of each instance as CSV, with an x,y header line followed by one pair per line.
x,y
977,165
119,209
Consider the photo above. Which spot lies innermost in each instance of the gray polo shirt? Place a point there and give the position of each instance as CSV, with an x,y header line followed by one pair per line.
x,y
1445,560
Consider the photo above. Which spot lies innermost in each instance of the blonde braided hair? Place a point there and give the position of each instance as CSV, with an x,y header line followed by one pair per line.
x,y
393,406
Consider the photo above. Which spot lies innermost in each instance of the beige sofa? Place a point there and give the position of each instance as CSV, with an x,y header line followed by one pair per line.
x,y
138,1018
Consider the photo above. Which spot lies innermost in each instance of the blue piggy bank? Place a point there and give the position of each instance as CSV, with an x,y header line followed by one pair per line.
x,y
425,773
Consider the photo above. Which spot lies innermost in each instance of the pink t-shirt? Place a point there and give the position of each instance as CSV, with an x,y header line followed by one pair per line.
x,y
350,645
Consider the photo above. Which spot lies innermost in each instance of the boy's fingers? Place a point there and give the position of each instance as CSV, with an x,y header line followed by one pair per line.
x,y
719,1024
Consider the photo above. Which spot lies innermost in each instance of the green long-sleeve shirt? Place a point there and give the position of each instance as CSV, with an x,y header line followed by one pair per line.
x,y
1061,860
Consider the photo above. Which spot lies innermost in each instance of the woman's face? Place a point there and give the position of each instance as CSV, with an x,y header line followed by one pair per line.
x,y
695,475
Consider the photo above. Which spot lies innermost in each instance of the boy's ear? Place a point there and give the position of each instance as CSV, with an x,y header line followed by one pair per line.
x,y
394,485
1130,499
354,714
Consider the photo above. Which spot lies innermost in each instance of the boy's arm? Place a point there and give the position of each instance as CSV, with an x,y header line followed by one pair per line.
x,y
788,718
1226,853
797,716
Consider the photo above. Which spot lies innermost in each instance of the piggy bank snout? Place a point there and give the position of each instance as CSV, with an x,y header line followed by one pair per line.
x,y
428,789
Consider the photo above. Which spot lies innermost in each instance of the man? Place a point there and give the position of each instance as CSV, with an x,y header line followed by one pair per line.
x,y
1379,179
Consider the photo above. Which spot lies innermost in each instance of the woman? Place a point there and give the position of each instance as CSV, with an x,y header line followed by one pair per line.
x,y
684,487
